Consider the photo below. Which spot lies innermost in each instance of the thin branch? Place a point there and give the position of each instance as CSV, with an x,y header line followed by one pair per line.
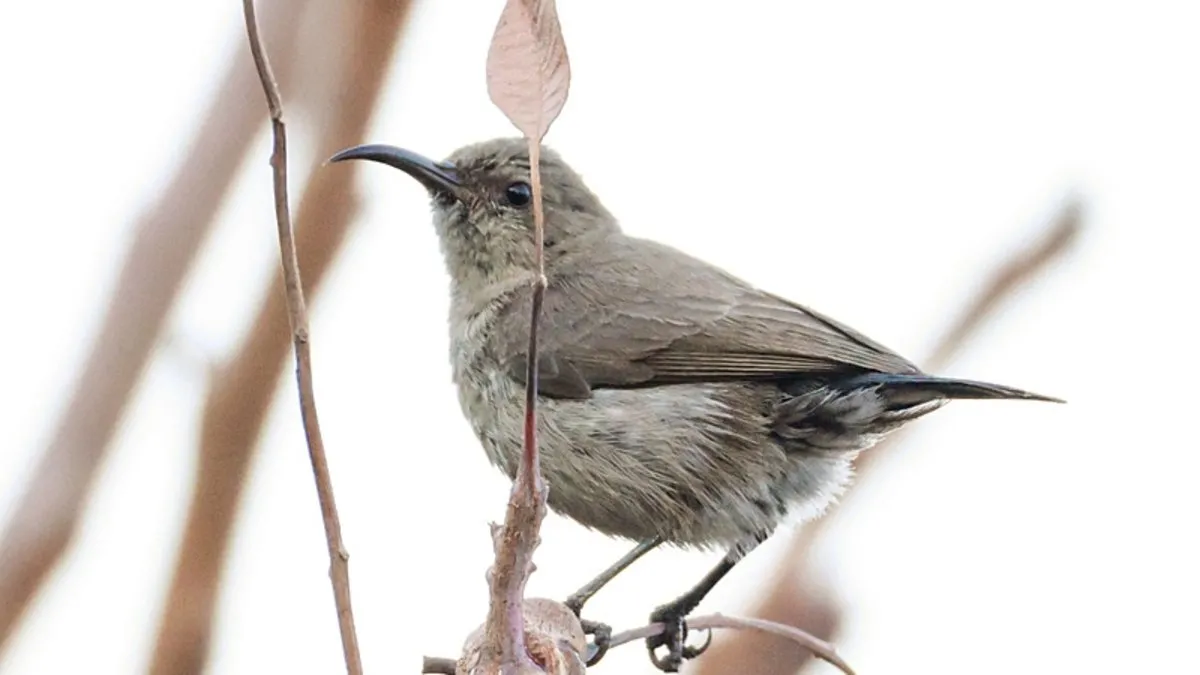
x,y
530,473
236,407
816,645
339,569
528,76
166,241
518,537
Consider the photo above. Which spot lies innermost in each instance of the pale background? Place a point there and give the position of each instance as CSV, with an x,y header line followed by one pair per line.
x,y
871,159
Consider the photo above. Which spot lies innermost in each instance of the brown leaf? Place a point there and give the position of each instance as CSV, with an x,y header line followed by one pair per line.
x,y
528,73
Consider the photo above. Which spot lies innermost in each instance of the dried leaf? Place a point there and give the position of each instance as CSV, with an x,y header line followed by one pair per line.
x,y
528,73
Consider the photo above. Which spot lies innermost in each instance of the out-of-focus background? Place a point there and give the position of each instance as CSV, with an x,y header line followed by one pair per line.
x,y
874,160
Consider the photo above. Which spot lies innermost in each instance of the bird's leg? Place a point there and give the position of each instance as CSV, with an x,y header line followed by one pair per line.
x,y
601,633
580,597
673,615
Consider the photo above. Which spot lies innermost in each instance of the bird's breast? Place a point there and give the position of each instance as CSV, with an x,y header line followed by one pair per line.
x,y
487,396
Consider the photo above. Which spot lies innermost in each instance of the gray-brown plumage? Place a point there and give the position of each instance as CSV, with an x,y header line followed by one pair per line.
x,y
677,402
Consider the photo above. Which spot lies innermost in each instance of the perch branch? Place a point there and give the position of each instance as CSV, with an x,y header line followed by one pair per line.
x,y
817,646
553,625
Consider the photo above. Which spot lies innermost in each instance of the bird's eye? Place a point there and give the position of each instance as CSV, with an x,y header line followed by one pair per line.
x,y
519,194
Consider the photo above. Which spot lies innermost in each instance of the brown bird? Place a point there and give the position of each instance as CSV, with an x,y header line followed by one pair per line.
x,y
677,403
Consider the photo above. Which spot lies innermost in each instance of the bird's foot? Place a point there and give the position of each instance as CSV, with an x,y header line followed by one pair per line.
x,y
601,632
674,638
601,639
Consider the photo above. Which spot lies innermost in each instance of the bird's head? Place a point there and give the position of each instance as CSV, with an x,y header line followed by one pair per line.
x,y
483,207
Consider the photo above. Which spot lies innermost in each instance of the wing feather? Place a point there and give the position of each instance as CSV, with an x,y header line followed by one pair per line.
x,y
638,313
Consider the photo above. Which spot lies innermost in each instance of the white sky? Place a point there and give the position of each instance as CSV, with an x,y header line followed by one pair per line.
x,y
870,159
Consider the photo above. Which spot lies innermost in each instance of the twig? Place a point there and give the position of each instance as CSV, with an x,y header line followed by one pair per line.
x,y
518,537
166,241
530,470
339,569
236,406
816,645
528,76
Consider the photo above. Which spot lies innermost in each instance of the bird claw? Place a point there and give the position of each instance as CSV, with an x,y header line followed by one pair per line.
x,y
674,638
690,652
601,639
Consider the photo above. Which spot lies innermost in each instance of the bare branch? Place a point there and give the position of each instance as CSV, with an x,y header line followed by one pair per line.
x,y
165,243
339,573
237,405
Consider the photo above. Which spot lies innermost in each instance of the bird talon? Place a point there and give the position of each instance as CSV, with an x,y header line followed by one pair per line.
x,y
601,640
674,638
690,652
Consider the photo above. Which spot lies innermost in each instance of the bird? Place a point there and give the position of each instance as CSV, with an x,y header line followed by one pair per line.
x,y
677,403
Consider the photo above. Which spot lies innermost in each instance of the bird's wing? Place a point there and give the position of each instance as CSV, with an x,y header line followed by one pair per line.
x,y
638,313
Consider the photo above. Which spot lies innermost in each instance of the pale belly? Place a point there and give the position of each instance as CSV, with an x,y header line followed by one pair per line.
x,y
693,463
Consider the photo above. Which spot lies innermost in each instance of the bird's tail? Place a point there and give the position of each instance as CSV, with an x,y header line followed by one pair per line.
x,y
912,389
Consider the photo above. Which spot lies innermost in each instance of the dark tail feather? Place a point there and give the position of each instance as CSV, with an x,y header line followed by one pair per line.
x,y
902,389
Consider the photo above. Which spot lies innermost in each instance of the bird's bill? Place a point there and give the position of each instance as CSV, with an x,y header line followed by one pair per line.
x,y
435,176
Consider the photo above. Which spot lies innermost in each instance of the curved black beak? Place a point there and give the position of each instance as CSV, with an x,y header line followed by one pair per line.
x,y
435,176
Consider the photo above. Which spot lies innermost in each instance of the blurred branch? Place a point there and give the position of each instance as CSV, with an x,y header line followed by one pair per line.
x,y
1010,276
238,402
166,240
339,558
793,596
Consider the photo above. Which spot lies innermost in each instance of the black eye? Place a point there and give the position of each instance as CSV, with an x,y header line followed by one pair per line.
x,y
519,194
